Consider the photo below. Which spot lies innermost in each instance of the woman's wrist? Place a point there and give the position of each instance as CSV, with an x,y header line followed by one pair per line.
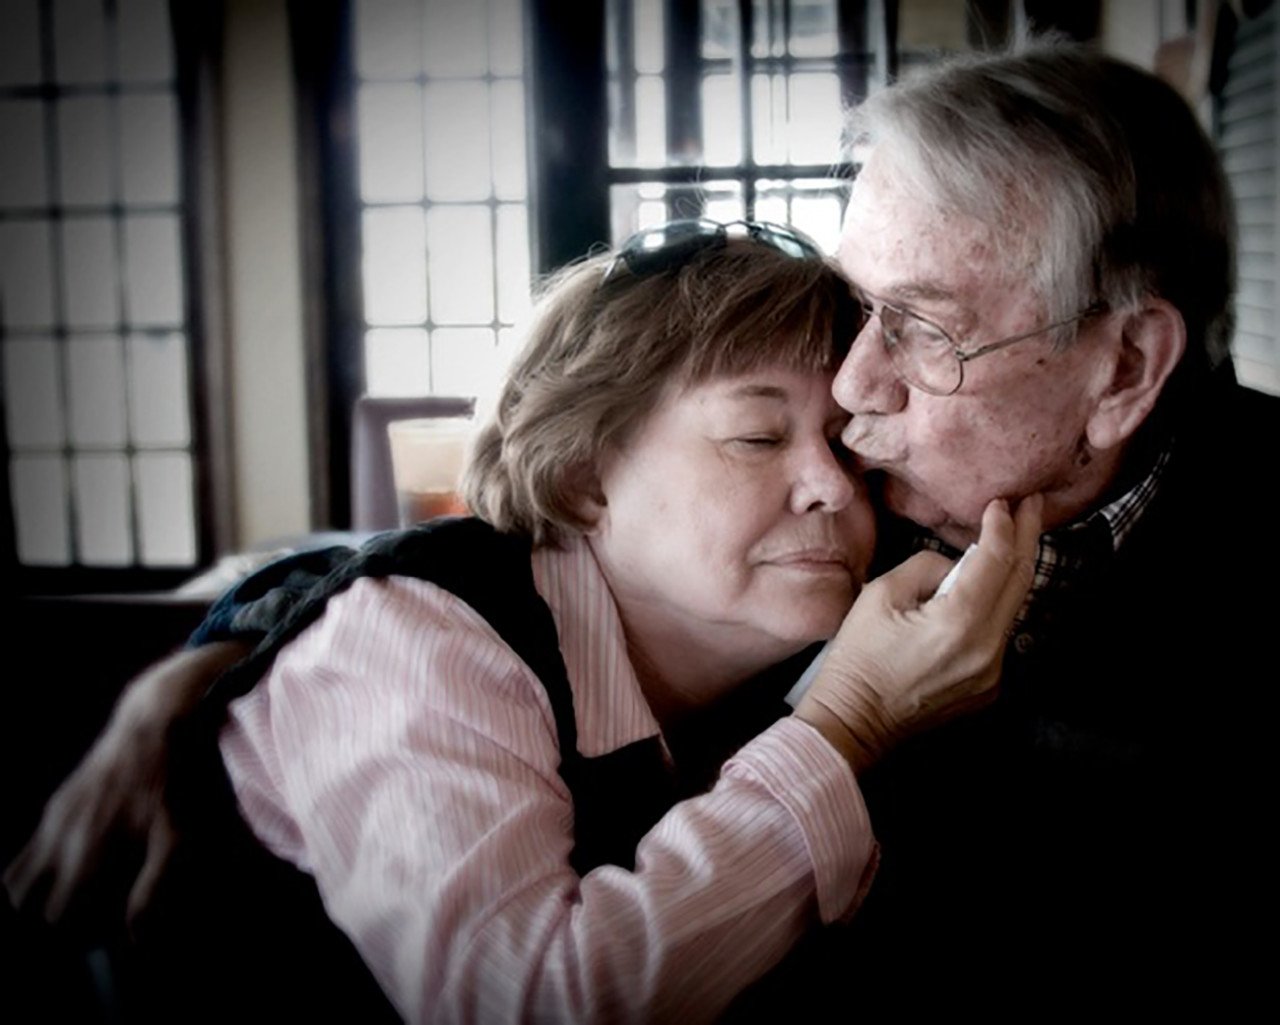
x,y
849,742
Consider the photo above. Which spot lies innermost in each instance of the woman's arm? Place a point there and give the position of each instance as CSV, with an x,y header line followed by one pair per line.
x,y
105,835
401,753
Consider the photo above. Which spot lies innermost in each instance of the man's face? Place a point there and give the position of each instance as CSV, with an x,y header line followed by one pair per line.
x,y
1016,425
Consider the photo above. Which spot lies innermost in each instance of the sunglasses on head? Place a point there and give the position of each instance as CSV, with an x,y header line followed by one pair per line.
x,y
669,246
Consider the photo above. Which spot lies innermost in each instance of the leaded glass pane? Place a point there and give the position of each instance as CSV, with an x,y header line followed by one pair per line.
x,y
26,274
22,154
390,142
395,265
389,38
153,270
19,42
80,41
397,362
85,156
508,140
513,263
457,147
158,390
143,40
41,514
90,280
96,391
455,37
460,239
166,509
506,37
463,361
814,29
721,120
100,484
32,393
149,149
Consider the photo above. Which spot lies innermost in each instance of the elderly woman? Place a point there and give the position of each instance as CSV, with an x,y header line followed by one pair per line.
x,y
536,762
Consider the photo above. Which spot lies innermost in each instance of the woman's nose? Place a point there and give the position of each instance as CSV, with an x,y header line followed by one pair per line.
x,y
867,381
822,480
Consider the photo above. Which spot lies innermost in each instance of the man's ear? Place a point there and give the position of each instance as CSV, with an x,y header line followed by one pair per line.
x,y
1152,340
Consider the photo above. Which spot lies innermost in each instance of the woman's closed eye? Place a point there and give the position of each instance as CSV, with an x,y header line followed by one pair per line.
x,y
762,441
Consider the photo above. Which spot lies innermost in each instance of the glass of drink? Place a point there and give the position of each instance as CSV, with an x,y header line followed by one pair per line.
x,y
427,457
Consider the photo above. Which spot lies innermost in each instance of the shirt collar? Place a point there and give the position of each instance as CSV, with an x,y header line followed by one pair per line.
x,y
609,706
1067,553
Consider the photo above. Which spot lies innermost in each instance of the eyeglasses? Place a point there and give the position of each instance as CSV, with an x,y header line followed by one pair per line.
x,y
925,356
669,246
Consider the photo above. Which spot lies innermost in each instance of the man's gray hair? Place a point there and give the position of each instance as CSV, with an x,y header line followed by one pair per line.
x,y
1092,172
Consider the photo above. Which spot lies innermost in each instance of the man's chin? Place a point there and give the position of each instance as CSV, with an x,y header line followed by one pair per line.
x,y
903,500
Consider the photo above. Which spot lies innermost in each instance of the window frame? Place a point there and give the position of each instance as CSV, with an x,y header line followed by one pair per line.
x,y
196,29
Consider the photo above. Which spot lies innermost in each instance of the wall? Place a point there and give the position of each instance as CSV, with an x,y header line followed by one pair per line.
x,y
264,300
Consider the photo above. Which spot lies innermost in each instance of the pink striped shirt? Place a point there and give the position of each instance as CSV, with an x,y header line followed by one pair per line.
x,y
405,756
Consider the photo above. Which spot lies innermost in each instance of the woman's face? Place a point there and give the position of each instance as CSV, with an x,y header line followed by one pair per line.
x,y
733,512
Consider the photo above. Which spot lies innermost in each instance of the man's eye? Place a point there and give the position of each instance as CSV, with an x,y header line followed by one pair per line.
x,y
921,332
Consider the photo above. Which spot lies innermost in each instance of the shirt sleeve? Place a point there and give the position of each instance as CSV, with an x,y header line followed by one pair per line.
x,y
405,756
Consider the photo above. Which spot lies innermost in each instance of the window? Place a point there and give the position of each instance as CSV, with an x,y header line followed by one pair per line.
x,y
730,111
440,127
494,140
94,304
1247,130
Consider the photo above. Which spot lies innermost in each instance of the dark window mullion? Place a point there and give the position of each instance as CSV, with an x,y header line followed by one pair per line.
x,y
323,52
695,173
888,45
852,62
682,83
569,148
746,176
196,31
124,319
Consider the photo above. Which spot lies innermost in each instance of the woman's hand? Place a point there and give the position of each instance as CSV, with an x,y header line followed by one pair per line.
x,y
906,659
106,833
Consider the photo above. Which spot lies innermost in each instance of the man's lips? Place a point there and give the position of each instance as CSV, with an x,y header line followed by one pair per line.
x,y
868,448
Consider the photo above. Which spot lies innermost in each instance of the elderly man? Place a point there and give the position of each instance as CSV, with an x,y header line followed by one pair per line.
x,y
1044,245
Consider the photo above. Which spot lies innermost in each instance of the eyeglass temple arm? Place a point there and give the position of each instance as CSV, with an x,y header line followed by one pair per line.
x,y
982,350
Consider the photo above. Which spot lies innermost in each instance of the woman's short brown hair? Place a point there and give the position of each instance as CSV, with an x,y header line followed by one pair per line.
x,y
601,349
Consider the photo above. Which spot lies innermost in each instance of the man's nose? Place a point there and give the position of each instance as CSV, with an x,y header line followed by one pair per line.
x,y
867,381
821,479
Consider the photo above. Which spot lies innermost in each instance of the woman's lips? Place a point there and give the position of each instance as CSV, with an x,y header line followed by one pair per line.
x,y
812,560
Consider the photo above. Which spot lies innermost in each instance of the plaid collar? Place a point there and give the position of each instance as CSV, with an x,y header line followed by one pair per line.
x,y
1066,554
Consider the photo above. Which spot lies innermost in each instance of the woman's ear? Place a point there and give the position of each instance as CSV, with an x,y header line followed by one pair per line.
x,y
583,482
1151,342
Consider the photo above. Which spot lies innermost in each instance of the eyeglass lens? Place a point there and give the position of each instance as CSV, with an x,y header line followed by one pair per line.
x,y
920,352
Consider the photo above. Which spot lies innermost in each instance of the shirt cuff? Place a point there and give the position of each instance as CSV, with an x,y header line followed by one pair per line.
x,y
806,775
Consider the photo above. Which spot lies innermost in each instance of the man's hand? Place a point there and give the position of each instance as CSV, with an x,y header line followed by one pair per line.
x,y
906,659
105,836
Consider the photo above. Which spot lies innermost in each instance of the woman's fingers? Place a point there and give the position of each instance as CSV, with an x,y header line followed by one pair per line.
x,y
162,840
997,574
